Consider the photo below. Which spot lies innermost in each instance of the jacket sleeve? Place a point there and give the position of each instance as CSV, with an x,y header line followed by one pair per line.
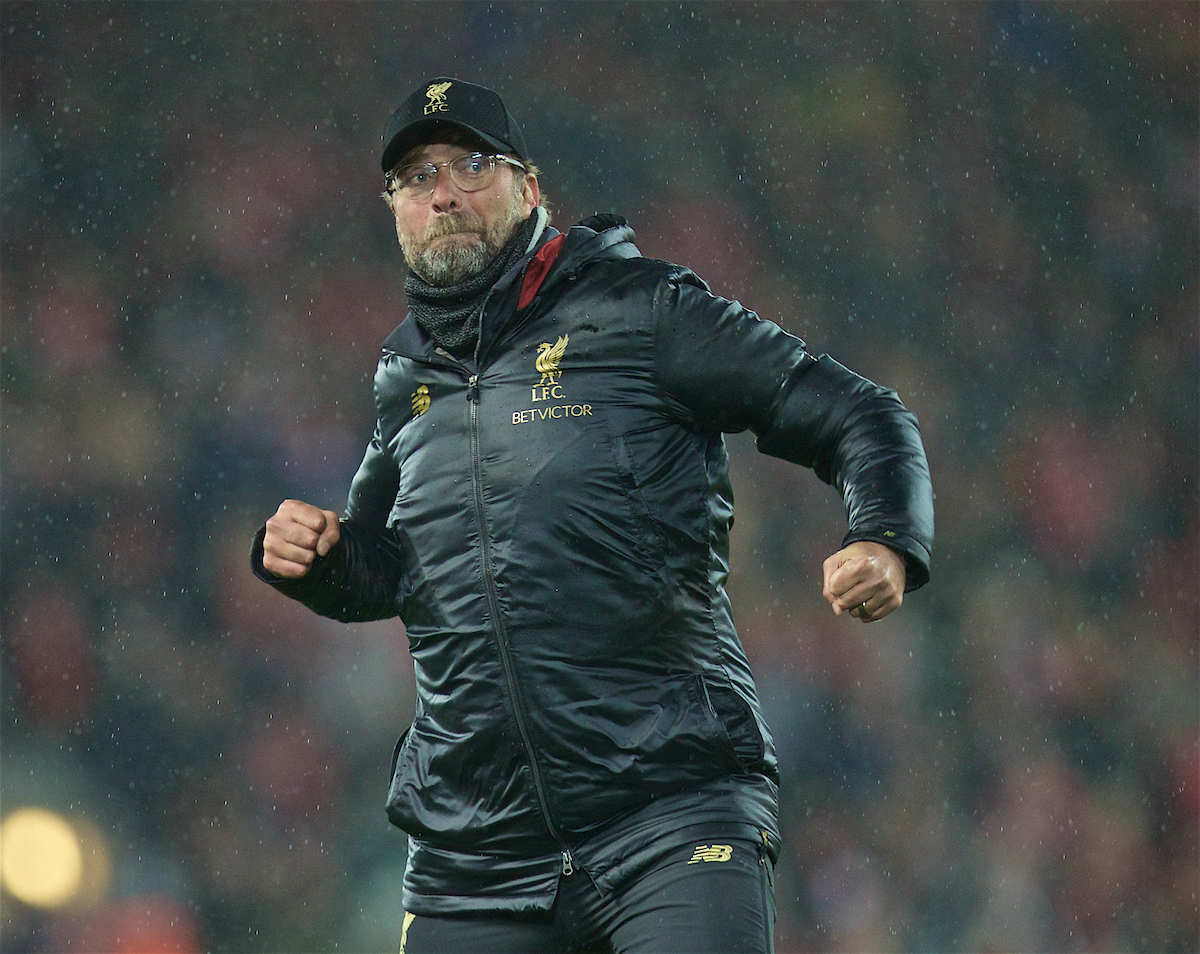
x,y
359,579
726,369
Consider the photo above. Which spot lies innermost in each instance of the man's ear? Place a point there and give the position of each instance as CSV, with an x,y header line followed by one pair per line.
x,y
531,197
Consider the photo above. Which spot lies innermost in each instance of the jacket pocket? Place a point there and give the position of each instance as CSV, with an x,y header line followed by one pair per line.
x,y
396,751
735,714
399,806
652,543
614,741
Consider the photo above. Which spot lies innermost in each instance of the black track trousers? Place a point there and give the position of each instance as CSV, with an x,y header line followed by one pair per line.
x,y
710,895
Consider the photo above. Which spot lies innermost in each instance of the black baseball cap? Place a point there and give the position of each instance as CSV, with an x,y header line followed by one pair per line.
x,y
449,101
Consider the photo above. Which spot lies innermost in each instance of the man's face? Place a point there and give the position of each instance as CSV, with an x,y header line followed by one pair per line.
x,y
450,235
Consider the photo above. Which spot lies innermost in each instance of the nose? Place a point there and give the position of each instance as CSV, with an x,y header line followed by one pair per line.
x,y
446,195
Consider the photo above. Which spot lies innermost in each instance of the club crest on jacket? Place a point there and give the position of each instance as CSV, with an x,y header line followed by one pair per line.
x,y
548,357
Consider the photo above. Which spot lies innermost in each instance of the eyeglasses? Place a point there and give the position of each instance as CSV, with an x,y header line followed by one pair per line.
x,y
470,173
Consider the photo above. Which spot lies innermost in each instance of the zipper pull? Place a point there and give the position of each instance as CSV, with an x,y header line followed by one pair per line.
x,y
568,867
473,389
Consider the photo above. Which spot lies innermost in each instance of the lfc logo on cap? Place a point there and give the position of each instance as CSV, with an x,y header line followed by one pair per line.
x,y
437,98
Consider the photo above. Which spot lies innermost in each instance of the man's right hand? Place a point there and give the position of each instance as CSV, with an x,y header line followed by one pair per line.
x,y
296,536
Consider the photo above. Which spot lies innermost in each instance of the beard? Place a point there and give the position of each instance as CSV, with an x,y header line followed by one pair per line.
x,y
464,258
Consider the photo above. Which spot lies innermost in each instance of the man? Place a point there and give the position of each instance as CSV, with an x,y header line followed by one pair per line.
x,y
546,505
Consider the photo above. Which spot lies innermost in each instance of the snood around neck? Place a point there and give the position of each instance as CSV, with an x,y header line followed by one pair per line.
x,y
450,315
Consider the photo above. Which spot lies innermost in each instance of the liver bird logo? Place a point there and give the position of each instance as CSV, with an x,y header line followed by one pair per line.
x,y
420,400
548,357
437,97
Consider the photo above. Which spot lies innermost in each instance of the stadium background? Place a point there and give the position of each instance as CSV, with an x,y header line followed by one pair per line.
x,y
991,207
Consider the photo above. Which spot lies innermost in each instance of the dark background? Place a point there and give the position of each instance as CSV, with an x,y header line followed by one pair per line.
x,y
991,207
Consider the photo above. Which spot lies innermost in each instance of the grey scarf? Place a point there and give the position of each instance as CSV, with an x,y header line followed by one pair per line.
x,y
450,315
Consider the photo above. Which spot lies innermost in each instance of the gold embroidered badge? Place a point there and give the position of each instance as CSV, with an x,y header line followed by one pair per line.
x,y
711,853
420,400
548,357
437,98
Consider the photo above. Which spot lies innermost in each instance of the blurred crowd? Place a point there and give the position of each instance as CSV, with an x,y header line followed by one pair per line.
x,y
990,207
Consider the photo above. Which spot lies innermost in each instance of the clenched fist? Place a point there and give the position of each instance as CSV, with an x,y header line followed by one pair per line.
x,y
296,536
865,579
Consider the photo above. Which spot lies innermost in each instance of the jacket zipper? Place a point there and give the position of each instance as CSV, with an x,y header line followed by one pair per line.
x,y
506,662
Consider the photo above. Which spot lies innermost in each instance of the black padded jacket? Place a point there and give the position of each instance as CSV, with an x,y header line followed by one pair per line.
x,y
550,521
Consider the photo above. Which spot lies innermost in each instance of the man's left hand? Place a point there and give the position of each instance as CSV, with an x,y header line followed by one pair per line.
x,y
866,580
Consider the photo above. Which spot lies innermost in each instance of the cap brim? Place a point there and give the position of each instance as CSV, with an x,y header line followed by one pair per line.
x,y
418,133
